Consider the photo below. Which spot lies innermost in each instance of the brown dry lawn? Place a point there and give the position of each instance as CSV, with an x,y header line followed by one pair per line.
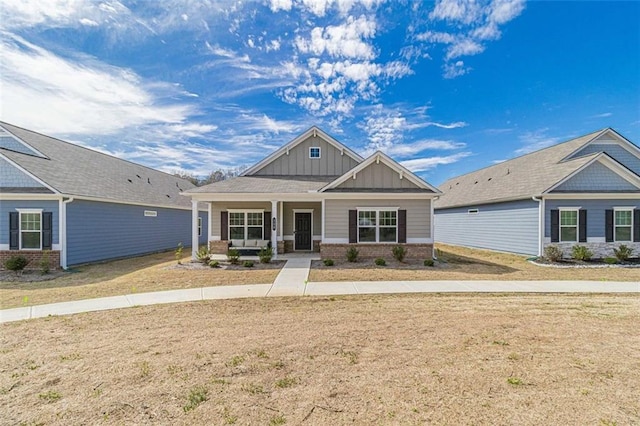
x,y
402,359
134,275
464,264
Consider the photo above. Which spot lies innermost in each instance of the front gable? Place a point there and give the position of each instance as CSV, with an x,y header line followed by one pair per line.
x,y
614,145
12,143
602,174
15,180
295,159
379,173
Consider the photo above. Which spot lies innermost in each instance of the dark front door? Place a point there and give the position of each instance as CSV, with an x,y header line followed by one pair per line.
x,y
303,231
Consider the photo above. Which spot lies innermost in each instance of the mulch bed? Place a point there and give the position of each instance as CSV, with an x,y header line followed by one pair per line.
x,y
593,263
274,264
29,276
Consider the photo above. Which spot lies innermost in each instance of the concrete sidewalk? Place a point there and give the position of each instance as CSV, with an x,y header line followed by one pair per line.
x,y
292,281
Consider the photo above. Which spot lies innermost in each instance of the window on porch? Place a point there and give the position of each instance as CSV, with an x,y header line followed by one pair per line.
x,y
246,225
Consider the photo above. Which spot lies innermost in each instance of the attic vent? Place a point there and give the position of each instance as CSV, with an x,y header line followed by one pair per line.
x,y
139,177
457,183
148,180
475,182
489,179
130,181
168,196
508,171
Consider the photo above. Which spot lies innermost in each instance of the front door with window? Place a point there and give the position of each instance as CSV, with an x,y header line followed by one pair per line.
x,y
302,231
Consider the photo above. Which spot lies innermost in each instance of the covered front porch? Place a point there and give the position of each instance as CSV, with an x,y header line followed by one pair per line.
x,y
287,226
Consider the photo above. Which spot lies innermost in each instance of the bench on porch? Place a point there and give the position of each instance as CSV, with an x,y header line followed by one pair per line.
x,y
249,247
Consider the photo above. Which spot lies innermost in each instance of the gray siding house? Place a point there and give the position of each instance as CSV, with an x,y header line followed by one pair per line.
x,y
584,191
315,194
84,206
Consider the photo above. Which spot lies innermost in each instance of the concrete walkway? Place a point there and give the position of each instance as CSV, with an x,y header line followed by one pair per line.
x,y
292,281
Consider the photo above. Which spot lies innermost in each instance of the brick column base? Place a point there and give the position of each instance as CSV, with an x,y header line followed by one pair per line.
x,y
219,247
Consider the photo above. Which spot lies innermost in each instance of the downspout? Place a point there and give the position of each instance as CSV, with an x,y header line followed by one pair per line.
x,y
63,232
540,224
433,237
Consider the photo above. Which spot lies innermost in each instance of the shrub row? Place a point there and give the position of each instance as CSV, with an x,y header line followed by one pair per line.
x,y
582,253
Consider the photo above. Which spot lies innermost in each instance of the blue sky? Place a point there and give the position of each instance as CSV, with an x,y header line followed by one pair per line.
x,y
445,87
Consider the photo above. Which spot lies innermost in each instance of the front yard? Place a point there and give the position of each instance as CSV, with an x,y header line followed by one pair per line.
x,y
403,359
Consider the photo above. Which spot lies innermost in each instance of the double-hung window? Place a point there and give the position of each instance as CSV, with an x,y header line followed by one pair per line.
x,y
377,226
569,225
246,225
622,224
30,230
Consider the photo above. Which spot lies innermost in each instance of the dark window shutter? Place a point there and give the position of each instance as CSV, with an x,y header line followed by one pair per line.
x,y
608,215
267,226
353,226
402,226
14,230
47,230
555,226
582,226
224,226
636,225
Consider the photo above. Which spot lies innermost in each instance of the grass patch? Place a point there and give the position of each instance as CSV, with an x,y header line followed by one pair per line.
x,y
287,382
196,396
50,396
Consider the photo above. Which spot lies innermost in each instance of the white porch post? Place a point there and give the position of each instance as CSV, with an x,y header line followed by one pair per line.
x,y
194,230
274,228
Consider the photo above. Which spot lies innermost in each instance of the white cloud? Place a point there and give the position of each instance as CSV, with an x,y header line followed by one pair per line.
x,y
276,5
470,24
345,41
603,115
410,149
86,97
536,140
424,164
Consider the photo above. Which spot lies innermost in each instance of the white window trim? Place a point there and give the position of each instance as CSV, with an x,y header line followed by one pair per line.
x,y
199,227
577,225
28,211
319,152
377,210
246,225
622,209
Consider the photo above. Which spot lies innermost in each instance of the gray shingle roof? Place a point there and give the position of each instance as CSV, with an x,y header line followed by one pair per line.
x,y
266,184
79,171
518,178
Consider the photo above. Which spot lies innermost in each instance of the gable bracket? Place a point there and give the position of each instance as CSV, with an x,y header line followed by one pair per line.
x,y
354,175
401,174
287,151
315,133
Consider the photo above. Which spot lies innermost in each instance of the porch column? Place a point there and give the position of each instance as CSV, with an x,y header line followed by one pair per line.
x,y
274,228
194,230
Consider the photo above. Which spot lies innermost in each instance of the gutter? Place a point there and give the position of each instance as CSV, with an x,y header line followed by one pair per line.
x,y
433,236
63,231
540,223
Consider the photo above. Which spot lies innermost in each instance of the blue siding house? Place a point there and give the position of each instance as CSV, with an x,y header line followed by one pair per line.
x,y
584,191
84,206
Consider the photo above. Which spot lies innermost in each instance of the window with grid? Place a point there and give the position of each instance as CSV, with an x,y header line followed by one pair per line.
x,y
377,226
623,225
314,152
30,231
569,225
246,225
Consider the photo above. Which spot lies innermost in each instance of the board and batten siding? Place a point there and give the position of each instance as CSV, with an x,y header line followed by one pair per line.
x,y
7,206
615,151
100,231
510,227
418,216
288,219
331,162
596,178
377,176
217,207
596,220
12,177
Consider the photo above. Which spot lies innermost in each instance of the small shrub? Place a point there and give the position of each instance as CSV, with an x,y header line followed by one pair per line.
x,y
380,262
203,255
233,255
428,262
287,382
265,254
553,253
352,254
50,396
45,262
399,253
197,396
581,253
328,262
16,263
214,264
178,253
277,420
623,252
516,381
610,260
248,264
